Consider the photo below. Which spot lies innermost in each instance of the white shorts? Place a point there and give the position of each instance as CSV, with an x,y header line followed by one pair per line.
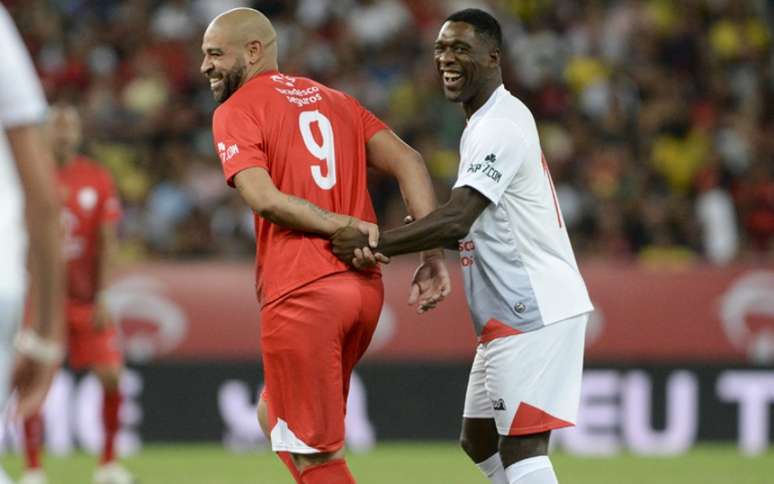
x,y
530,382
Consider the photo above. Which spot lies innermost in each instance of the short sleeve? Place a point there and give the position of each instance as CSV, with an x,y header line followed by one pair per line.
x,y
21,97
492,153
371,124
111,205
238,142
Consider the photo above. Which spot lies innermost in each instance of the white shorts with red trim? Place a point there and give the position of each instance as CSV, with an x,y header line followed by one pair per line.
x,y
530,382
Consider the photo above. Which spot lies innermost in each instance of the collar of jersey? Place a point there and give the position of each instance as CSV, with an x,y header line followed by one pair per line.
x,y
262,74
488,104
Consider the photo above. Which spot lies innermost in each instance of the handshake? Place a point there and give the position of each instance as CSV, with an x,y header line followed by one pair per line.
x,y
356,244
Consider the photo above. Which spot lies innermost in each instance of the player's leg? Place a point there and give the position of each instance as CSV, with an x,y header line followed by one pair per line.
x,y
479,438
110,471
535,379
301,339
525,458
98,350
33,443
357,333
109,377
264,423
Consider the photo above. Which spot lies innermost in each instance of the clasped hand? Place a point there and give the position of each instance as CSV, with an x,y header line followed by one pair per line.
x,y
354,245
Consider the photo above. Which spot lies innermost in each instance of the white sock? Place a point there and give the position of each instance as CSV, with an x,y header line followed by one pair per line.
x,y
493,469
535,470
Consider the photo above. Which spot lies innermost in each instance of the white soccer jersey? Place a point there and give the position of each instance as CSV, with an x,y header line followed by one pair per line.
x,y
21,103
518,264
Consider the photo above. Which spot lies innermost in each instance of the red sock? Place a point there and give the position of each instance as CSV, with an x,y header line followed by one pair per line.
x,y
332,472
287,459
110,404
33,440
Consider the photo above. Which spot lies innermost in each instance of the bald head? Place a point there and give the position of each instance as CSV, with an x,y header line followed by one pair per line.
x,y
237,45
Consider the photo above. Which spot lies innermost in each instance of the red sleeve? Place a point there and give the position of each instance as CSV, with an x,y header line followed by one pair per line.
x,y
371,123
238,141
111,206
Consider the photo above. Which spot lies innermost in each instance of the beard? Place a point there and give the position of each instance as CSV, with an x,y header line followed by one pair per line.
x,y
231,82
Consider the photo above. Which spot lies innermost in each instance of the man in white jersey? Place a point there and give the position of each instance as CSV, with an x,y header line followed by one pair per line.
x,y
527,298
27,189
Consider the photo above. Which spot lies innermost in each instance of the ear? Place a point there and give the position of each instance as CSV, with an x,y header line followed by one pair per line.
x,y
494,56
254,51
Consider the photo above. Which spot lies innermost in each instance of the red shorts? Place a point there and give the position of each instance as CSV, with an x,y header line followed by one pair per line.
x,y
311,340
87,346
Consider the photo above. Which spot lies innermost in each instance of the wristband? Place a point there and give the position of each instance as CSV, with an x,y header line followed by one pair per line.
x,y
31,345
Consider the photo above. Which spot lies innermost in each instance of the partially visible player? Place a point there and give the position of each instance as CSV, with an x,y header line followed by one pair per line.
x,y
527,298
297,152
27,193
90,212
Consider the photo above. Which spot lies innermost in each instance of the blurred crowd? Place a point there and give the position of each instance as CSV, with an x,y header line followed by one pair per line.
x,y
656,117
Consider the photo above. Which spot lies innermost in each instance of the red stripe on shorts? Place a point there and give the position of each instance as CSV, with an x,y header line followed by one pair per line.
x,y
494,329
532,420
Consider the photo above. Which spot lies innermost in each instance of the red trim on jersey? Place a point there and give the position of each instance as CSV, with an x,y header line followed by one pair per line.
x,y
494,329
532,420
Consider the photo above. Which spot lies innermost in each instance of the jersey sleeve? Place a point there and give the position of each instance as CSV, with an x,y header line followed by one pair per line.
x,y
371,123
238,141
21,97
111,205
493,153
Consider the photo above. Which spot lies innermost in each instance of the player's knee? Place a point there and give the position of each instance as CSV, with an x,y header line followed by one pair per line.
x,y
109,377
479,438
474,448
514,449
467,445
303,461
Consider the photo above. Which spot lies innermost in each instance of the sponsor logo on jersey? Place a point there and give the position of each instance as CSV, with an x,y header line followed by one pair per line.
x,y
486,168
283,79
498,404
226,153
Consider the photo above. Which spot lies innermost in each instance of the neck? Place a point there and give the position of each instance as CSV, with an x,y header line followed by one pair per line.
x,y
259,69
64,158
488,87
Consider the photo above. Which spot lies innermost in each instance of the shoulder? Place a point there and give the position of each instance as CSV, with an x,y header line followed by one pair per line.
x,y
509,121
232,110
495,129
92,169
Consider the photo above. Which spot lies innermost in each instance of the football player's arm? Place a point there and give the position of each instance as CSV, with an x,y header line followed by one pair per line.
x,y
259,192
391,155
441,228
36,173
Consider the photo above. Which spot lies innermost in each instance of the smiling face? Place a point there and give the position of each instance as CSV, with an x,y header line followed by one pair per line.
x,y
223,65
464,61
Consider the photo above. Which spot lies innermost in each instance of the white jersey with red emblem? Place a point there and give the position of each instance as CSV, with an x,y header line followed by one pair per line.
x,y
518,265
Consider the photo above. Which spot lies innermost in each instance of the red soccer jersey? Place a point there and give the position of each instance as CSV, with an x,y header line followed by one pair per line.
x,y
89,201
312,141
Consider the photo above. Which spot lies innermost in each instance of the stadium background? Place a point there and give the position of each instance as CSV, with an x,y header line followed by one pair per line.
x,y
657,119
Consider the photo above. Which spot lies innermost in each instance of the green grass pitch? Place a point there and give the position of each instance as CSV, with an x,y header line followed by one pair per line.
x,y
412,463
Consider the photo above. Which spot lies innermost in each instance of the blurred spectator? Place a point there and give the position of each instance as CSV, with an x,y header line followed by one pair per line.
x,y
657,122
